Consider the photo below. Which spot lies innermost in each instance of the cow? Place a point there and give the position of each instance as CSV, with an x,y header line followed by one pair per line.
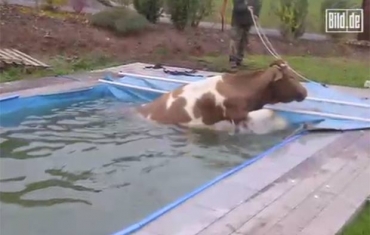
x,y
229,101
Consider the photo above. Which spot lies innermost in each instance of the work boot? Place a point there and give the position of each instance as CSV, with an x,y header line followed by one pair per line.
x,y
234,64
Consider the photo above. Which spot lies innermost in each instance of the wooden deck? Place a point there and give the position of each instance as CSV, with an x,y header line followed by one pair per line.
x,y
310,187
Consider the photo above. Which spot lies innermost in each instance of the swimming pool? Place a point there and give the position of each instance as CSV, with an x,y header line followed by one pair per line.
x,y
92,167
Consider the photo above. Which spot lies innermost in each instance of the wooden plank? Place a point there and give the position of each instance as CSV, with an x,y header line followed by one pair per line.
x,y
141,232
317,201
10,56
316,174
24,60
224,196
187,219
39,63
342,208
4,56
237,217
266,219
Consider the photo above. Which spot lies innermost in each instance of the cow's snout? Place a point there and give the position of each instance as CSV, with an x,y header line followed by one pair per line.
x,y
301,96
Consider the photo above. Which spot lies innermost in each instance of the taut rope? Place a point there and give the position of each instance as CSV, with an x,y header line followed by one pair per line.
x,y
266,42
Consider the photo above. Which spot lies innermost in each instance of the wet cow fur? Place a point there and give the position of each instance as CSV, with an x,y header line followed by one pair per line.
x,y
227,98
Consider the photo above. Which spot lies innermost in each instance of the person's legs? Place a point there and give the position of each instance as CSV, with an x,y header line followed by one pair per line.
x,y
236,37
244,41
241,45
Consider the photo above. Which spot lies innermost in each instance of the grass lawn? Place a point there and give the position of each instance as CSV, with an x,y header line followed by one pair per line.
x,y
269,20
59,66
361,223
335,71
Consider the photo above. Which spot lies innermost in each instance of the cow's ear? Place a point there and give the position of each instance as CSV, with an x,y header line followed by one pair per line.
x,y
278,73
278,76
279,63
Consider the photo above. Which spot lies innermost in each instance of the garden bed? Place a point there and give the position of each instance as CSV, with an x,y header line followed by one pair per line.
x,y
70,36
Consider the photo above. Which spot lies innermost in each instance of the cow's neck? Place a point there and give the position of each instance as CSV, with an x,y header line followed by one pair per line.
x,y
256,84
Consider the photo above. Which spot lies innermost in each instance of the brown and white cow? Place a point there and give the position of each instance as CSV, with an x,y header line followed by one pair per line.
x,y
229,101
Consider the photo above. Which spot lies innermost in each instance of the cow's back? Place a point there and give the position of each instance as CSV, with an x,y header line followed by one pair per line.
x,y
193,104
159,111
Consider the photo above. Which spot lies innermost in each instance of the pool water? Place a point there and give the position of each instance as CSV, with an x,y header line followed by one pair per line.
x,y
95,168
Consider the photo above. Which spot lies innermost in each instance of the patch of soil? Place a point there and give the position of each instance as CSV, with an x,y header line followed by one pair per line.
x,y
42,36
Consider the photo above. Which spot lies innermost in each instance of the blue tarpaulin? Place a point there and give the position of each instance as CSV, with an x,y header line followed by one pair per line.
x,y
325,108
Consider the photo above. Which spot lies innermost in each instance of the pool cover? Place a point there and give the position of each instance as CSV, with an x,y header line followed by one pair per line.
x,y
324,109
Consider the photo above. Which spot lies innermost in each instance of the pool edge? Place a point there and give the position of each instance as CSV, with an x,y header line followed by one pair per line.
x,y
169,207
8,97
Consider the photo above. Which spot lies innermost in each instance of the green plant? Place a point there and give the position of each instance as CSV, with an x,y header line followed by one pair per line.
x,y
199,9
183,12
105,19
122,21
53,5
151,9
292,15
360,225
179,11
131,25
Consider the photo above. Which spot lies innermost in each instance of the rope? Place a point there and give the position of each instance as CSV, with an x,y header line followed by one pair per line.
x,y
266,42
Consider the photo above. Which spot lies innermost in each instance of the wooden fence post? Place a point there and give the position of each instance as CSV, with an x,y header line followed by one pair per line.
x,y
365,36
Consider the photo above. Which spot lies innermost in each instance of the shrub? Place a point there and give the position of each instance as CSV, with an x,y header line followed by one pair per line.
x,y
151,9
199,9
332,4
107,18
179,11
292,14
131,25
122,21
53,5
183,12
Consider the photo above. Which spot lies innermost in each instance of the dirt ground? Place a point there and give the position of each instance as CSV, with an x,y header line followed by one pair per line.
x,y
43,37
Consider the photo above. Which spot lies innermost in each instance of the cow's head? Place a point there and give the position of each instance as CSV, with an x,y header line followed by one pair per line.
x,y
285,86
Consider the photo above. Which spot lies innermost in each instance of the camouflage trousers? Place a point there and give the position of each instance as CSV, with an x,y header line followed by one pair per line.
x,y
238,40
